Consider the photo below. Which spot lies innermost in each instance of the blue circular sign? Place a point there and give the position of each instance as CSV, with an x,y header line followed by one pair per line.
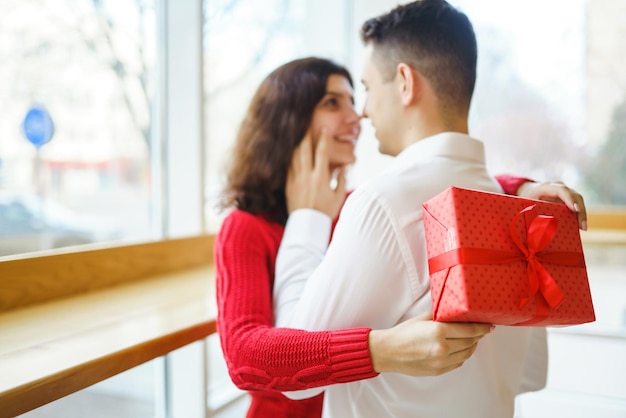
x,y
38,126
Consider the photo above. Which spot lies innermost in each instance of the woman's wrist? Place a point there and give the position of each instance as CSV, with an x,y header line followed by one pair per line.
x,y
378,350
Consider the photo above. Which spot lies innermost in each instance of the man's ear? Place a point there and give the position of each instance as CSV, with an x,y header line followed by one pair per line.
x,y
409,83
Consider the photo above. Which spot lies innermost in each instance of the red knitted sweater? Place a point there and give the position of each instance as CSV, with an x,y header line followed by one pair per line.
x,y
266,360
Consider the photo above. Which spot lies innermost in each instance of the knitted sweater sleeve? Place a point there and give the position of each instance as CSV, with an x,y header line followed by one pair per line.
x,y
259,356
510,184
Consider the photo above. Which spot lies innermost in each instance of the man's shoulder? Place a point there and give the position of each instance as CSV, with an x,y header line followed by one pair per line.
x,y
403,190
390,183
386,192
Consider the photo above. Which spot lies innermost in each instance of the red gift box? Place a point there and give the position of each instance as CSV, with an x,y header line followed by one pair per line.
x,y
505,260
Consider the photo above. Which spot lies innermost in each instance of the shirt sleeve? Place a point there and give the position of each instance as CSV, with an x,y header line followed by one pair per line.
x,y
258,355
307,233
361,280
510,183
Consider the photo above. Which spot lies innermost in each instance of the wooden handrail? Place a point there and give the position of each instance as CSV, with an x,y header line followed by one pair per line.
x,y
27,280
54,348
607,218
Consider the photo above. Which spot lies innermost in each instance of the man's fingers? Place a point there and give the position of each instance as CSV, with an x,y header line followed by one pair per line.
x,y
458,345
453,330
455,359
456,352
426,316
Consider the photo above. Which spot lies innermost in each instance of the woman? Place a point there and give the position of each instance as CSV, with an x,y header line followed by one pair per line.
x,y
306,97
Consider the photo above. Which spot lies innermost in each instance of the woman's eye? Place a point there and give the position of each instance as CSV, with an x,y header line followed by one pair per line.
x,y
331,102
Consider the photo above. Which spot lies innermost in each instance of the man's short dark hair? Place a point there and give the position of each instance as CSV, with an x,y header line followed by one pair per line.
x,y
432,37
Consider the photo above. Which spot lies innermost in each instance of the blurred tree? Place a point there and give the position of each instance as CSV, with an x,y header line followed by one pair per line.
x,y
606,171
90,61
134,70
223,19
524,133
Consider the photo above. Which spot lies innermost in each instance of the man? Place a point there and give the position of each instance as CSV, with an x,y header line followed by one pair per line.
x,y
419,74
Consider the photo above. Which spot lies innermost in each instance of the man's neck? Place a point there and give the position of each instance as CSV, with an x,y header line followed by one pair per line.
x,y
423,129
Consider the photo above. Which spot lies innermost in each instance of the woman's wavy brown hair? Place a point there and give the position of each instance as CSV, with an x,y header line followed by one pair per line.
x,y
277,120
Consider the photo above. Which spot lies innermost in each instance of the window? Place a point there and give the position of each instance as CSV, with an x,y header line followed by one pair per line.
x,y
112,77
547,96
76,139
550,98
76,131
128,395
244,41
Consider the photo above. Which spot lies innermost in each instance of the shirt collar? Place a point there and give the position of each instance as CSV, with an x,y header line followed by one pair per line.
x,y
446,144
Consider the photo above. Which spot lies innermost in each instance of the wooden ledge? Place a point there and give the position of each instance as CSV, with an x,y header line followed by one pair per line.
x,y
604,237
607,218
27,280
49,350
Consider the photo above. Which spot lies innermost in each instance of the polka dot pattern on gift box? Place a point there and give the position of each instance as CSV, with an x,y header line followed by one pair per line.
x,y
493,292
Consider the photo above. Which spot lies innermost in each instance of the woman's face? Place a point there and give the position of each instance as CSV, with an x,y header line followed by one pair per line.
x,y
336,113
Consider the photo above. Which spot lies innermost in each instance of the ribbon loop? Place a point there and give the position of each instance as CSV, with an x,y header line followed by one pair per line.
x,y
540,231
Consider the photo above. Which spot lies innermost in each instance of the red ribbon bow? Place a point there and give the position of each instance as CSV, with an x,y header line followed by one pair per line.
x,y
540,231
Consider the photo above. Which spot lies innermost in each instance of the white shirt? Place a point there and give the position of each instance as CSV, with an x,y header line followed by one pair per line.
x,y
374,274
